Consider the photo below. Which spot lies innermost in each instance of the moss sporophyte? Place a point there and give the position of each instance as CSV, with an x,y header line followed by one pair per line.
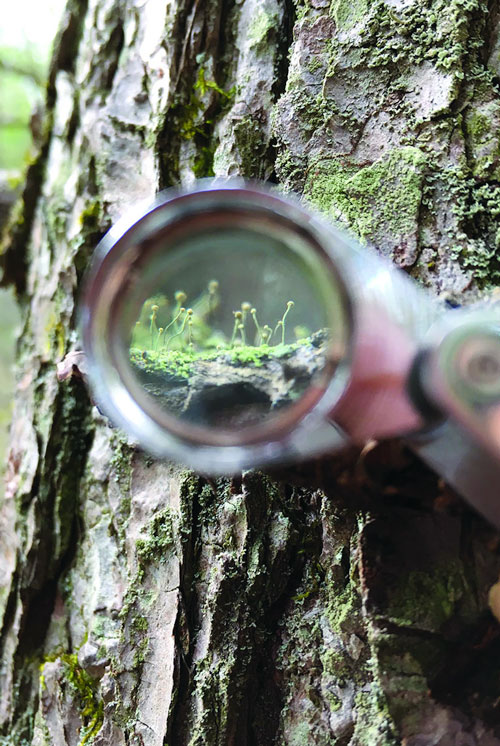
x,y
180,349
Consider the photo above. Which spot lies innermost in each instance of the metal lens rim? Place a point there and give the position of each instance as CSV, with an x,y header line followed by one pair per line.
x,y
454,360
160,433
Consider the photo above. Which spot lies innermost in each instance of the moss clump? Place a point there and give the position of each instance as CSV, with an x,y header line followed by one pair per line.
x,y
121,462
140,652
478,125
251,146
312,111
476,206
160,537
348,14
302,8
55,336
85,689
260,28
180,364
188,121
150,548
374,724
315,64
90,217
385,195
339,667
176,363
428,600
140,623
481,127
448,34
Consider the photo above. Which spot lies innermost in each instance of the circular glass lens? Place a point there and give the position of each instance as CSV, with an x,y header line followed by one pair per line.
x,y
227,324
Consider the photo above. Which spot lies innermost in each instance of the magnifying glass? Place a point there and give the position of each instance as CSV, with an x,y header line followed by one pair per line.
x,y
215,325
229,327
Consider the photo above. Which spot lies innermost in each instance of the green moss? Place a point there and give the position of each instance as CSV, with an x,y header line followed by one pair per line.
x,y
91,215
347,13
260,27
85,689
477,209
176,363
151,548
481,129
333,701
300,735
140,623
338,667
203,165
374,724
121,461
342,607
251,146
428,600
159,539
406,663
315,64
478,125
386,194
313,111
55,336
187,121
140,652
180,364
257,355
448,34
302,8
290,169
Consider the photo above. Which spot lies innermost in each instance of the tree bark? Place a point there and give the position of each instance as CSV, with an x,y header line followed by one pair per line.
x,y
340,602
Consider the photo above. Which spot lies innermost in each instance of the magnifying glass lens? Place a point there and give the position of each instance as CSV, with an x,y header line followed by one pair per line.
x,y
228,327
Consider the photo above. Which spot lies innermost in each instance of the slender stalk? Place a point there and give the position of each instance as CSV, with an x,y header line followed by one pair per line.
x,y
253,313
174,320
160,332
178,334
152,327
181,313
266,334
281,322
289,306
237,321
241,328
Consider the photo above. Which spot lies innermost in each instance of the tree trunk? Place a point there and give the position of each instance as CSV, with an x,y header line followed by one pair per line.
x,y
341,602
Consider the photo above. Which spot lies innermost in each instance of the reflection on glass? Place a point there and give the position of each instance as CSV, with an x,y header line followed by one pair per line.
x,y
234,330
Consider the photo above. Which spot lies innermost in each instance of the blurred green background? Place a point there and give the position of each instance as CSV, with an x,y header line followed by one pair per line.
x,y
27,32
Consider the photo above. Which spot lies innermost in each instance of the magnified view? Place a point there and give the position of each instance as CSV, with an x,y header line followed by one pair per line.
x,y
235,327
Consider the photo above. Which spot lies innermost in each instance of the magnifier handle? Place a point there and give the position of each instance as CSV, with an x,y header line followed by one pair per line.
x,y
460,376
376,403
456,409
464,463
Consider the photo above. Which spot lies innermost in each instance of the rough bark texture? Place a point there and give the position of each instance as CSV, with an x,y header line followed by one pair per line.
x,y
342,602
